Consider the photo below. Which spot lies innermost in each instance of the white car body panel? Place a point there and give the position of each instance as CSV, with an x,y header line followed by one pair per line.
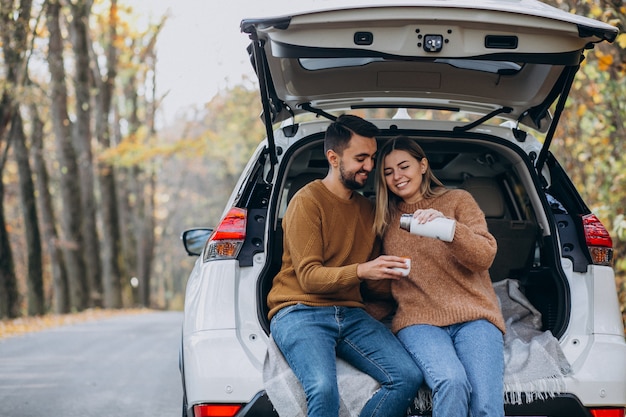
x,y
217,367
209,297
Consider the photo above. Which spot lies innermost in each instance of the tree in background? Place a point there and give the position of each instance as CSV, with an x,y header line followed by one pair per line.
x,y
80,11
201,158
60,287
591,142
104,84
137,172
70,187
60,146
14,24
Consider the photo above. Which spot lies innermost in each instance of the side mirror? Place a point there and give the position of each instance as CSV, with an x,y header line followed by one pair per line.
x,y
194,240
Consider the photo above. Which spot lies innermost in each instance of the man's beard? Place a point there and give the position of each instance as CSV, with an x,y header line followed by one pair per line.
x,y
348,179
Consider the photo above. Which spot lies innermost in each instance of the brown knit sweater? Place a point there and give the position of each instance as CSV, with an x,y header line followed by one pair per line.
x,y
325,238
449,282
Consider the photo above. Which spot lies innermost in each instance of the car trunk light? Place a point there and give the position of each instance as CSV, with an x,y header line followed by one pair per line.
x,y
227,239
216,410
607,412
598,240
232,226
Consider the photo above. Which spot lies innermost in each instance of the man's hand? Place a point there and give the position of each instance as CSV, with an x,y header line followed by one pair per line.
x,y
383,267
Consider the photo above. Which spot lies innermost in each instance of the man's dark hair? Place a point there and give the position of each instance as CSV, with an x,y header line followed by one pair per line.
x,y
339,132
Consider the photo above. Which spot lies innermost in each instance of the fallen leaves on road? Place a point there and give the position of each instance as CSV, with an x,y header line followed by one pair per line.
x,y
22,325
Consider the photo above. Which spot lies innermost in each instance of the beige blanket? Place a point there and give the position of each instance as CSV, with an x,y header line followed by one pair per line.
x,y
534,365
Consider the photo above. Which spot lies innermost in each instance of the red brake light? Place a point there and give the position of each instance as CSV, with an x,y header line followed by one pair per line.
x,y
216,410
598,240
595,232
607,412
232,226
227,239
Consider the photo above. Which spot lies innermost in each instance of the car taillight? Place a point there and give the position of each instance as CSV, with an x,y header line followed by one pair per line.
x,y
607,412
216,410
227,239
598,240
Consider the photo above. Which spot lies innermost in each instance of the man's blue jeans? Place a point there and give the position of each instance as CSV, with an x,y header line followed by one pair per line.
x,y
463,364
311,338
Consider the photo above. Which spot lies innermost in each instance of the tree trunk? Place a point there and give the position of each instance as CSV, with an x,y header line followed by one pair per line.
x,y
60,287
36,305
9,296
112,266
145,249
112,239
71,215
131,202
14,25
148,238
82,143
131,196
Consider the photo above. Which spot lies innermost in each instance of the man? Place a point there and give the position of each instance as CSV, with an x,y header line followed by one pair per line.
x,y
316,308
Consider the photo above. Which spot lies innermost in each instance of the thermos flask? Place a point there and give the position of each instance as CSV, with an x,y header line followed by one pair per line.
x,y
440,228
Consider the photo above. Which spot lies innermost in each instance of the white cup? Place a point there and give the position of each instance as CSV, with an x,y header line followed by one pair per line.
x,y
405,271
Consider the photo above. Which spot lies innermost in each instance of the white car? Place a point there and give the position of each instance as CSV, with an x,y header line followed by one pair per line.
x,y
475,83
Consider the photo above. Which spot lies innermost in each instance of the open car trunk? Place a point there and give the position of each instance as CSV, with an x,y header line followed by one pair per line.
x,y
513,59
497,175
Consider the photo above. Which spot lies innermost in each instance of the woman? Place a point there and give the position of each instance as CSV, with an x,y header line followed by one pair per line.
x,y
448,315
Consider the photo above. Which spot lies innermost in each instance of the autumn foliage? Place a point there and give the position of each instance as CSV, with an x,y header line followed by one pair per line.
x,y
150,182
591,142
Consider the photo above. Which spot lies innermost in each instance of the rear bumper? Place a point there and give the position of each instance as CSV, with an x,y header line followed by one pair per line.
x,y
260,406
564,405
217,370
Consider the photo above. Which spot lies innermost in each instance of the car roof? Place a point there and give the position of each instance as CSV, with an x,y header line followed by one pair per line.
x,y
513,58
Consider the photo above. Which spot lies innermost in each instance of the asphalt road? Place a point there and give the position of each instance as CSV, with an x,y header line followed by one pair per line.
x,y
118,367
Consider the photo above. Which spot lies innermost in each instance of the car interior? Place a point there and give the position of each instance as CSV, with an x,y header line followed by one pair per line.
x,y
490,176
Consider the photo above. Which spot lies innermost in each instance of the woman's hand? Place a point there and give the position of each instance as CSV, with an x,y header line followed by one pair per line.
x,y
382,268
425,215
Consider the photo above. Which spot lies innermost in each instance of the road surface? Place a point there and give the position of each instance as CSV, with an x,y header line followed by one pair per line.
x,y
125,366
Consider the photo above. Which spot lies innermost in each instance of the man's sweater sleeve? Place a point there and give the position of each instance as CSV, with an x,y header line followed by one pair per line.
x,y
304,238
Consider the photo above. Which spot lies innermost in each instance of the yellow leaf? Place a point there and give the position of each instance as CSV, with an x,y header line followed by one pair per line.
x,y
596,11
604,60
621,40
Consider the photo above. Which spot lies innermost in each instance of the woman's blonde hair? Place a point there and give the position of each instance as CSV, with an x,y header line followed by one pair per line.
x,y
386,202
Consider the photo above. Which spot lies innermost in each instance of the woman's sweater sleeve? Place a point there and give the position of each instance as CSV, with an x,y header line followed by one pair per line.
x,y
473,246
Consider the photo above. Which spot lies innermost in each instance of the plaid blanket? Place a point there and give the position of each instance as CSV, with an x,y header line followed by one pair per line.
x,y
535,365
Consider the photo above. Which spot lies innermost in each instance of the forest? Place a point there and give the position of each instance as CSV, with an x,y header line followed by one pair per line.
x,y
94,193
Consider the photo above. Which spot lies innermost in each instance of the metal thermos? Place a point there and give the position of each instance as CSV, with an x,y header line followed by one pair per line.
x,y
440,228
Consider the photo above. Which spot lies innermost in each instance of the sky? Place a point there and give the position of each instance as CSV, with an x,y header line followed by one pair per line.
x,y
201,48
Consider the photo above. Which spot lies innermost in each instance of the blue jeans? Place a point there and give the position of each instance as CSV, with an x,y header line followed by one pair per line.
x,y
463,364
311,338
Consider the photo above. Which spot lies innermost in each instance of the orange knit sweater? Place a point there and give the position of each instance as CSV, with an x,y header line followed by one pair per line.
x,y
449,282
325,238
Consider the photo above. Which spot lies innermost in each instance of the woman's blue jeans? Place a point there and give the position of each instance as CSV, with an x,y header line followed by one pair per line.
x,y
311,338
463,364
